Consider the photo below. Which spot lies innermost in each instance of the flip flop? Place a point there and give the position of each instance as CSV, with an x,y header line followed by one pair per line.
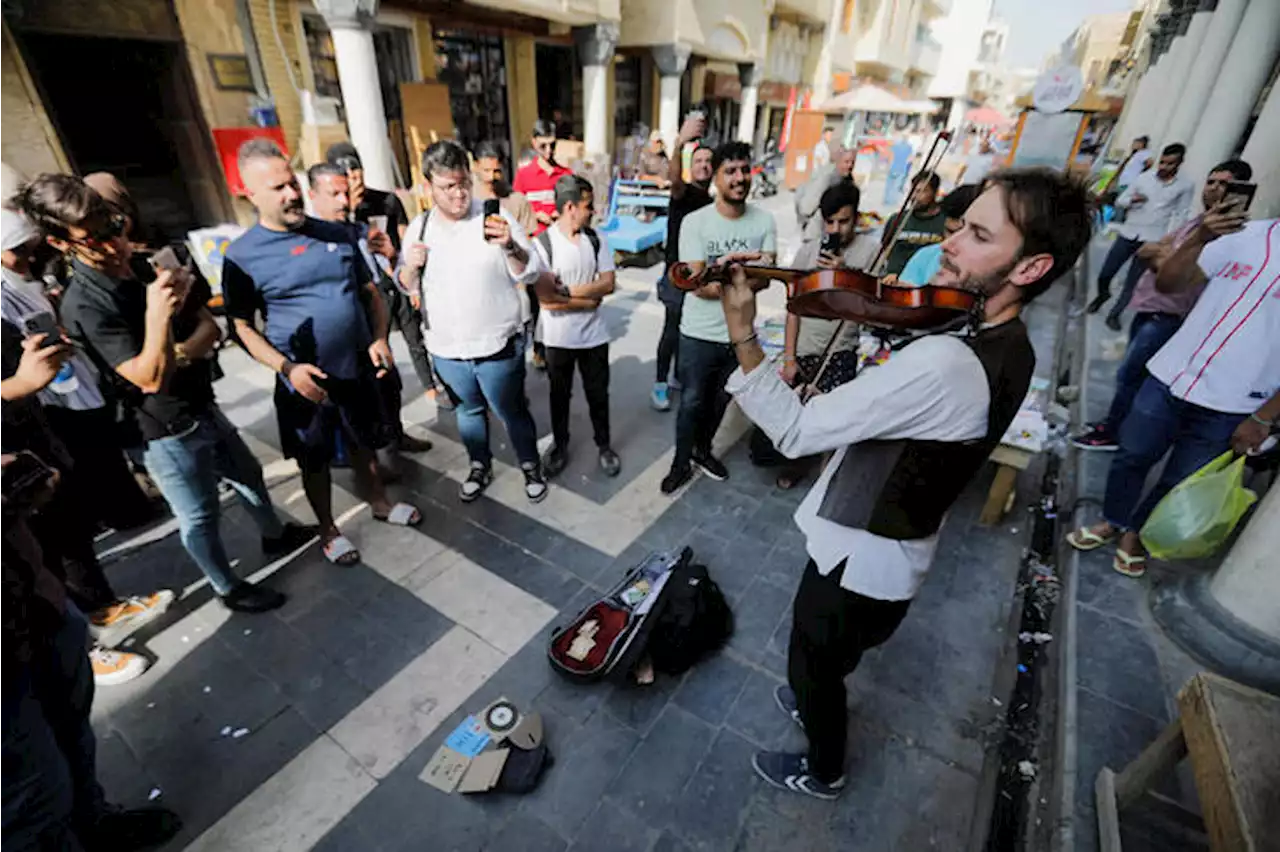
x,y
340,551
1086,539
1129,564
401,515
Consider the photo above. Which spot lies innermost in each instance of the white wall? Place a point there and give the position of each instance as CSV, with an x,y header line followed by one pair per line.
x,y
960,33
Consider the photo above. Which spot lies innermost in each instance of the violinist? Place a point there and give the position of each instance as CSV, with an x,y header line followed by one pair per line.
x,y
907,436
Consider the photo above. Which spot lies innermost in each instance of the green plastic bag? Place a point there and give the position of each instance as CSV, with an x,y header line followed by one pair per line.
x,y
1198,515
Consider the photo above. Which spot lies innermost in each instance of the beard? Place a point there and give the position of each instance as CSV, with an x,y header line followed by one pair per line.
x,y
987,284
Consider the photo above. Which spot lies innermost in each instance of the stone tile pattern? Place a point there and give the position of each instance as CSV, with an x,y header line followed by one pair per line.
x,y
345,696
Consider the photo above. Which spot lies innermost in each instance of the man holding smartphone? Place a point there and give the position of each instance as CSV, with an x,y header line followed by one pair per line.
x,y
151,345
1214,385
470,264
1157,315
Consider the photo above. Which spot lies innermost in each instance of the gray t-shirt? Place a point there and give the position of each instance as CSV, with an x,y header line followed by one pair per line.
x,y
814,333
705,235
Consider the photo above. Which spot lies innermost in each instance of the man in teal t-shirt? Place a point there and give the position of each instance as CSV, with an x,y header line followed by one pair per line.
x,y
728,227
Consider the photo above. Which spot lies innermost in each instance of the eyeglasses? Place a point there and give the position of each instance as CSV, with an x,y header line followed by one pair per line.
x,y
544,144
452,188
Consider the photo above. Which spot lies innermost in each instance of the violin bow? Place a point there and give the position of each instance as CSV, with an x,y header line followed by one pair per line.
x,y
900,218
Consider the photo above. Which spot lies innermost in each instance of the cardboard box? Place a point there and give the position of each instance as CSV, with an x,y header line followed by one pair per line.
x,y
471,758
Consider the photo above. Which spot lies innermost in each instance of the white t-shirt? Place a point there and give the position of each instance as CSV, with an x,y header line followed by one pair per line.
x,y
1226,355
1135,166
576,265
471,302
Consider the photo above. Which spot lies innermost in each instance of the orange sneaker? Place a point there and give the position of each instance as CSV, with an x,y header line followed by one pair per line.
x,y
112,624
115,667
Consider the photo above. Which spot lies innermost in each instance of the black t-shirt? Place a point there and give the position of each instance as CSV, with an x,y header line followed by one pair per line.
x,y
108,316
918,232
378,203
694,198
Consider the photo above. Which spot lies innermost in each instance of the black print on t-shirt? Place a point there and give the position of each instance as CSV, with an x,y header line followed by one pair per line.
x,y
716,248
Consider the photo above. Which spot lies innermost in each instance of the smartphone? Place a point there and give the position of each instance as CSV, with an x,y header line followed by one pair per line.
x,y
378,223
43,323
831,244
25,479
490,208
166,258
1240,195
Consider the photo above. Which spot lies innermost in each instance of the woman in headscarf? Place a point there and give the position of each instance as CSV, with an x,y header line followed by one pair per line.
x,y
59,412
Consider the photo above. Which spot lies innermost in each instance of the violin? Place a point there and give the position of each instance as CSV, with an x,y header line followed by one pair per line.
x,y
848,294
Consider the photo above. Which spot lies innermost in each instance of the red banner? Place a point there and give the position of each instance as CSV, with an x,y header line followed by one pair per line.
x,y
228,141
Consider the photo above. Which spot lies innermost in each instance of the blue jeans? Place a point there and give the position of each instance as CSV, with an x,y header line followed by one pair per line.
x,y
703,369
1121,250
1147,333
1160,423
50,754
496,382
186,468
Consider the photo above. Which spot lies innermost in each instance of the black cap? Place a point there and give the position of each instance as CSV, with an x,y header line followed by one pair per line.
x,y
344,154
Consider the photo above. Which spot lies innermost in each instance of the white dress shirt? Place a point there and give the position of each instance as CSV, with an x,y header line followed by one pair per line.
x,y
1167,206
932,390
471,302
1226,355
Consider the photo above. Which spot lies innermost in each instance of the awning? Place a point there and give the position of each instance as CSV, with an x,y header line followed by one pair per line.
x,y
986,116
924,107
869,98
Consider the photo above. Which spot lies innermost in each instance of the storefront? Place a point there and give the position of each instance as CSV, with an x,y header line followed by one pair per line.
x,y
472,64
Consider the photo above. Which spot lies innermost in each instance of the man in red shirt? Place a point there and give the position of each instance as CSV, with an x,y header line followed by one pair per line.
x,y
537,181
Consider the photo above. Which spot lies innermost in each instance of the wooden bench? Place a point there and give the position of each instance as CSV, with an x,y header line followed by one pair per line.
x,y
1232,735
1001,495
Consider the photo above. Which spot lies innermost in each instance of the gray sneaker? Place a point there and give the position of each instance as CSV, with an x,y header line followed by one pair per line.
x,y
785,697
791,772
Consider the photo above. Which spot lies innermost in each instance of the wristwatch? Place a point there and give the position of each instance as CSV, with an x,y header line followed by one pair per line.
x,y
180,357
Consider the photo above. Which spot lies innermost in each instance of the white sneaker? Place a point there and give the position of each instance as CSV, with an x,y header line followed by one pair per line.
x,y
111,668
111,625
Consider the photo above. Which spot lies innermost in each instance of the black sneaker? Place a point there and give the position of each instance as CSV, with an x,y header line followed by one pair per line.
x,y
1113,322
791,772
476,482
1098,301
246,597
676,478
785,697
711,466
535,486
609,462
1096,436
120,830
553,463
293,537
410,444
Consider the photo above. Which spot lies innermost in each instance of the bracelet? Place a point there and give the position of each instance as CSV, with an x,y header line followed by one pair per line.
x,y
285,368
788,359
1270,424
744,340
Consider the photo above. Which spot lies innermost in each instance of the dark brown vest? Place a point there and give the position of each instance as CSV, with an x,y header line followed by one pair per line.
x,y
902,489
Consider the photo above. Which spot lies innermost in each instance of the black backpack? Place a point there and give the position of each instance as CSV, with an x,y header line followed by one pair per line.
x,y
694,621
545,239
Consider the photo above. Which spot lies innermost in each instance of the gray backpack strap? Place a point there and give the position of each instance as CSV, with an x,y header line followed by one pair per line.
x,y
544,239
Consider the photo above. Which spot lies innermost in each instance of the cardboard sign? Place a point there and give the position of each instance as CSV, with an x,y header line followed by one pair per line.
x,y
445,769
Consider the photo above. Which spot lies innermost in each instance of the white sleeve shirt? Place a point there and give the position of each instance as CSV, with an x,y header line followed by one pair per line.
x,y
472,303
934,389
1166,207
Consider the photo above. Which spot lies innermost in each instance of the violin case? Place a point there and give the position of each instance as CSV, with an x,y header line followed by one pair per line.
x,y
623,623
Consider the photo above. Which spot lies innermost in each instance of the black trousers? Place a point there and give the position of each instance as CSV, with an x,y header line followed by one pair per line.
x,y
593,364
409,321
51,788
535,307
669,342
831,628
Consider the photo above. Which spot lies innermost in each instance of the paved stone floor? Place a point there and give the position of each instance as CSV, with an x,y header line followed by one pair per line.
x,y
1128,671
345,693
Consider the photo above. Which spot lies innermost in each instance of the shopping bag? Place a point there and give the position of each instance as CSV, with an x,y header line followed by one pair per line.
x,y
1198,515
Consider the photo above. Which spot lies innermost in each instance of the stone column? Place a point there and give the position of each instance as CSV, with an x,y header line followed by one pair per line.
x,y
671,60
349,21
1263,153
1222,25
1134,123
749,76
1240,78
1182,58
1247,583
596,44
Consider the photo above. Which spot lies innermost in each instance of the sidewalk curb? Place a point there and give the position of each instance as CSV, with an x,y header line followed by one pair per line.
x,y
1065,742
